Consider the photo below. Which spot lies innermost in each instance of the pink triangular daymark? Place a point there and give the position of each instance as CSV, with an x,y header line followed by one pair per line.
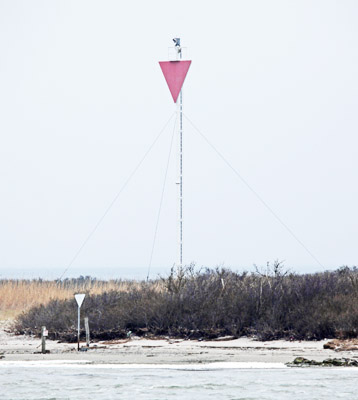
x,y
175,73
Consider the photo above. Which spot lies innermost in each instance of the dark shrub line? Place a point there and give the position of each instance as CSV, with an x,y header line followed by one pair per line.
x,y
211,303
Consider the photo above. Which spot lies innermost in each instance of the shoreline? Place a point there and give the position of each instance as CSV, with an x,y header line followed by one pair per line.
x,y
165,352
86,364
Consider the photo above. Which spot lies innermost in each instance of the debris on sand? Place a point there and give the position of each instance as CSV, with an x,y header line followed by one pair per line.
x,y
342,345
329,362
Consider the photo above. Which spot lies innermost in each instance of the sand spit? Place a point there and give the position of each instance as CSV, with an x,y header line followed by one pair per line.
x,y
139,351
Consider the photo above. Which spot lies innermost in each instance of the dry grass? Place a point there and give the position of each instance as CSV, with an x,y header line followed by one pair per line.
x,y
17,296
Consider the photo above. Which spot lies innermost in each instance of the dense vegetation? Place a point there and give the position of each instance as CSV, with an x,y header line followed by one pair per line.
x,y
18,295
211,303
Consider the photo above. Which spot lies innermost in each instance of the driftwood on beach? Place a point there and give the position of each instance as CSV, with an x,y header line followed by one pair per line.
x,y
342,345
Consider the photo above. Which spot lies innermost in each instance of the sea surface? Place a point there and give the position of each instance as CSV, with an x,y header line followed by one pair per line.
x,y
66,381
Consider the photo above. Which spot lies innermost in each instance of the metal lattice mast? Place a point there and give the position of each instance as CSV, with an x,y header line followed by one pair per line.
x,y
180,250
175,71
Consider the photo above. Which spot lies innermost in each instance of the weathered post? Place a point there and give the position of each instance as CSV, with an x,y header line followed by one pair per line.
x,y
44,333
87,332
79,298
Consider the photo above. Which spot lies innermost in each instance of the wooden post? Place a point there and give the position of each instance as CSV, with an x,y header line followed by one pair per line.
x,y
43,340
87,332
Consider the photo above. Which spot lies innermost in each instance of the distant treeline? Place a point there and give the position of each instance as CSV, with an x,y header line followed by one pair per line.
x,y
209,303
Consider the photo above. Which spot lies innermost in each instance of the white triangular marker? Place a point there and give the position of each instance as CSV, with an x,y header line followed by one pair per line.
x,y
79,298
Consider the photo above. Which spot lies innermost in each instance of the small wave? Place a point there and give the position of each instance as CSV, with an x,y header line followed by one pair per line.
x,y
184,367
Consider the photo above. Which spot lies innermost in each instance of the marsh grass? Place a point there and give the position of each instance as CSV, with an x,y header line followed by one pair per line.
x,y
18,296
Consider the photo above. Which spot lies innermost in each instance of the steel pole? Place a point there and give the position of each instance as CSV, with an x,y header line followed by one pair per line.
x,y
78,328
181,182
180,233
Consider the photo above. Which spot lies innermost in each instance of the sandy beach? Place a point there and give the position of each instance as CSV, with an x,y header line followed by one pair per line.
x,y
164,351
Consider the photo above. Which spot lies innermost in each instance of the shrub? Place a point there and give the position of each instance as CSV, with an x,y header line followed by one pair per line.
x,y
210,303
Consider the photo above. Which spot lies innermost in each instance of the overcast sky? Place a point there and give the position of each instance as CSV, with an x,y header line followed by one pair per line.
x,y
273,85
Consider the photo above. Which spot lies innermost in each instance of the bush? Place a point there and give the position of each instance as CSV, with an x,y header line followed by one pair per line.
x,y
211,303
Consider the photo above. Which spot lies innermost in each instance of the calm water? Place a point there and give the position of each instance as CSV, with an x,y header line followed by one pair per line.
x,y
94,382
